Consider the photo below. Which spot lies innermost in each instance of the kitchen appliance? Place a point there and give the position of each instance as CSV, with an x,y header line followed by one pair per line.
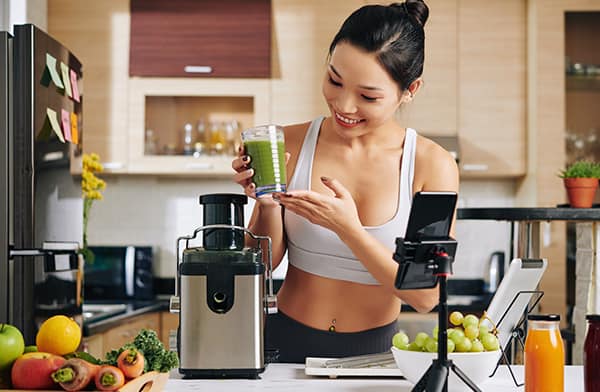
x,y
119,273
40,133
494,272
220,294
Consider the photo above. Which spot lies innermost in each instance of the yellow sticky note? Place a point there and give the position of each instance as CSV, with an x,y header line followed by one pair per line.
x,y
65,78
51,66
74,129
51,116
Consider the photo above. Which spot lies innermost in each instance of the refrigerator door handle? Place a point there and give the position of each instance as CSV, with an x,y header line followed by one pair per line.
x,y
50,257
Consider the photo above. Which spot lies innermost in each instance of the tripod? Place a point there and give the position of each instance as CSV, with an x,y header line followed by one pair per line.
x,y
436,264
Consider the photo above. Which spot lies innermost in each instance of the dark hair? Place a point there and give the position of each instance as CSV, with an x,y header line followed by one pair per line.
x,y
394,32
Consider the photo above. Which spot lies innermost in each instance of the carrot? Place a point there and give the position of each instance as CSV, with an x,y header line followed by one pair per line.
x,y
75,374
131,362
109,378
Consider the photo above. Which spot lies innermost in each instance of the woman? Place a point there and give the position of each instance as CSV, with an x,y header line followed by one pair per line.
x,y
351,178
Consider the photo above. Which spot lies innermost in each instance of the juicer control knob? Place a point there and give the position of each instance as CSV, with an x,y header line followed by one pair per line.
x,y
174,304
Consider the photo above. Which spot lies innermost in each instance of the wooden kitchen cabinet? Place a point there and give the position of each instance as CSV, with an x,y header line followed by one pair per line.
x,y
126,332
492,85
98,34
166,104
217,38
168,322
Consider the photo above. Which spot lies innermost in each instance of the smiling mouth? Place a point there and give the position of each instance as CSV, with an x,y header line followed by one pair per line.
x,y
346,120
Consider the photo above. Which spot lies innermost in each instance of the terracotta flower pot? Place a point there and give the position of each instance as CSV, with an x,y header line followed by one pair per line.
x,y
581,191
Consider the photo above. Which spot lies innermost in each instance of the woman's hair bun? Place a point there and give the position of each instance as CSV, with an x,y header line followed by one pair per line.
x,y
417,9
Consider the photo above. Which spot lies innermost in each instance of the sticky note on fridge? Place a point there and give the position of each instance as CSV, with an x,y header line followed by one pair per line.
x,y
74,86
51,116
51,68
74,129
66,124
64,68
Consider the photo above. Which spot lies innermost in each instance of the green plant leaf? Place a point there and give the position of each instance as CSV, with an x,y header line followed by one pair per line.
x,y
581,169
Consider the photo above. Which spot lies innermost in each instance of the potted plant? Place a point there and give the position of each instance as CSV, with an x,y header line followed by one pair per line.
x,y
581,182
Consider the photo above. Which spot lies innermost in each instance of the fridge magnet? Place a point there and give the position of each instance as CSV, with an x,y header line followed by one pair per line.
x,y
74,128
65,77
74,86
66,124
50,73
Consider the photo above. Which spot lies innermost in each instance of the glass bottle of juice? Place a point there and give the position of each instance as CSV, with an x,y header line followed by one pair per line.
x,y
591,354
544,354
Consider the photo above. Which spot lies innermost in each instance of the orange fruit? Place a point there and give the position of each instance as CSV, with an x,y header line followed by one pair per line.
x,y
58,335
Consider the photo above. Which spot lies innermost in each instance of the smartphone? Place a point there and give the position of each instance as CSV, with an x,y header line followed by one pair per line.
x,y
430,216
428,228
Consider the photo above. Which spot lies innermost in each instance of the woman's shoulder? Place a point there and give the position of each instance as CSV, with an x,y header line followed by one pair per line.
x,y
433,163
295,133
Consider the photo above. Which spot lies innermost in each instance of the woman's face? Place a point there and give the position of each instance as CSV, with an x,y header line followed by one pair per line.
x,y
359,92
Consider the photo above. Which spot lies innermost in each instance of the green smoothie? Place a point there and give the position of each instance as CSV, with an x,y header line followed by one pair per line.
x,y
268,161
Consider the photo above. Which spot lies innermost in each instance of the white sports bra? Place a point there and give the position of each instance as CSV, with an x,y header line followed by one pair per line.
x,y
319,251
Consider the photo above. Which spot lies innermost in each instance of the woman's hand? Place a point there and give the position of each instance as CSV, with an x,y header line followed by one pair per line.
x,y
337,213
243,176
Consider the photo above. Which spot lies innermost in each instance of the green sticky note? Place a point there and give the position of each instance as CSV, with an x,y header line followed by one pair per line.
x,y
65,77
51,116
51,66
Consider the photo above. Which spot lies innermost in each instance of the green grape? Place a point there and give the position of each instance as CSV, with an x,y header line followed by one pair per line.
x,y
456,318
470,319
464,345
477,346
483,329
472,332
400,340
456,334
421,339
413,347
490,342
434,333
451,346
431,345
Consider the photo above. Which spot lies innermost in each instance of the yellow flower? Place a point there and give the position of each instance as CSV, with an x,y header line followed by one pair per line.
x,y
90,191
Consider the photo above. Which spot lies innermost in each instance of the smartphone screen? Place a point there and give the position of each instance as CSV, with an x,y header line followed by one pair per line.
x,y
430,216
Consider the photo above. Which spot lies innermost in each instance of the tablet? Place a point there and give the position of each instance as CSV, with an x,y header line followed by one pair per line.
x,y
522,275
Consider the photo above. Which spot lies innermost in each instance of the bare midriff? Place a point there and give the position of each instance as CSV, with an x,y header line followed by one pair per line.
x,y
321,303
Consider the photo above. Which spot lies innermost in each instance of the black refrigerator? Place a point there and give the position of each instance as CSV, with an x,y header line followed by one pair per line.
x,y
40,135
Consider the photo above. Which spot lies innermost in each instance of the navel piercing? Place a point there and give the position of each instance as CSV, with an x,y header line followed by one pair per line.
x,y
332,326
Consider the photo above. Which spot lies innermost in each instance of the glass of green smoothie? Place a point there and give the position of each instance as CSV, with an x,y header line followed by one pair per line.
x,y
265,146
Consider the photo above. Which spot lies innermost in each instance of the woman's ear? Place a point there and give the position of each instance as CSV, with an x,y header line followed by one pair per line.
x,y
411,91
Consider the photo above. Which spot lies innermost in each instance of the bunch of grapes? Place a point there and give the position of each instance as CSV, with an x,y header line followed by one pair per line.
x,y
468,334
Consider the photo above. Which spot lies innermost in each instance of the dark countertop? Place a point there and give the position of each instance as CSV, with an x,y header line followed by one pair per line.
x,y
102,323
531,214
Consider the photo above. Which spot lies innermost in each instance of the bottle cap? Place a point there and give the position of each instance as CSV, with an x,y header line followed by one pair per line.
x,y
593,317
543,317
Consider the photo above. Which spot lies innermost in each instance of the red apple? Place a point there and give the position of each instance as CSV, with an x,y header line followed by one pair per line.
x,y
11,345
33,370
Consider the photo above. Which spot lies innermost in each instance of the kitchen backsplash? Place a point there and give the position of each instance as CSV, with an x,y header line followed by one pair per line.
x,y
155,211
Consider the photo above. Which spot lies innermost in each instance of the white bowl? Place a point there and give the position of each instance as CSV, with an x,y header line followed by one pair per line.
x,y
477,366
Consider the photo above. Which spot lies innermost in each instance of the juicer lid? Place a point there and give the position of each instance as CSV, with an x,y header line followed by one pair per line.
x,y
223,198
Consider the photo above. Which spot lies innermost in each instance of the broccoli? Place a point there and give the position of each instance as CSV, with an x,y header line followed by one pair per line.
x,y
157,357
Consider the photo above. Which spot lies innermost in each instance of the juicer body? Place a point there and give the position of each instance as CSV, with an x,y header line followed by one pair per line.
x,y
221,344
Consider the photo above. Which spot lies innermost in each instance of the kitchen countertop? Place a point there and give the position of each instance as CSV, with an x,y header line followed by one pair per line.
x,y
102,323
291,377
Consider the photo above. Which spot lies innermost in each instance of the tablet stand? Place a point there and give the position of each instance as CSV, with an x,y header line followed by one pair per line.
x,y
518,332
424,264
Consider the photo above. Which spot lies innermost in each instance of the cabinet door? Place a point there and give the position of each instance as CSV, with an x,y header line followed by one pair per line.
x,y
434,109
168,322
118,336
492,87
97,33
303,31
223,38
